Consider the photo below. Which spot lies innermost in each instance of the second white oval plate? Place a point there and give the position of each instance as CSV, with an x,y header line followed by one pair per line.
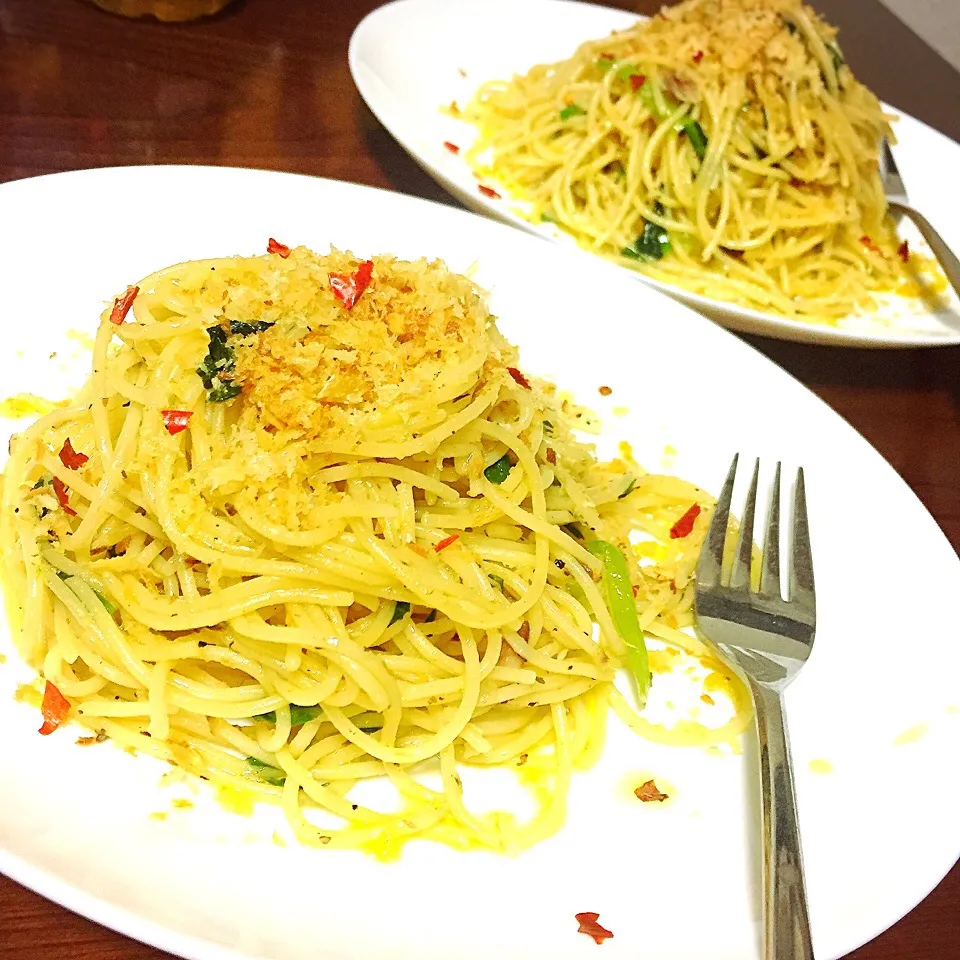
x,y
878,700
410,58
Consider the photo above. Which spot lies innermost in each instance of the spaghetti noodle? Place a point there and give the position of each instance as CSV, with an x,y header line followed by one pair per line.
x,y
308,524
724,146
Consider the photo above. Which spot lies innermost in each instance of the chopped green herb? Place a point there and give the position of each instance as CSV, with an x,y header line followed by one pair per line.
x,y
652,244
604,64
696,136
836,56
270,715
547,218
573,110
63,576
39,483
219,358
627,70
301,715
224,390
547,428
629,488
400,609
431,616
266,772
245,328
497,580
499,471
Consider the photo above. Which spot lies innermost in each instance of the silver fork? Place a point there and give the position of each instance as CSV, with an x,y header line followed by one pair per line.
x,y
898,202
768,639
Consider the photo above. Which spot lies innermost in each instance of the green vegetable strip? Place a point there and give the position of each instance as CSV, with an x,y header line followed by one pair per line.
x,y
499,471
574,110
623,610
267,773
298,716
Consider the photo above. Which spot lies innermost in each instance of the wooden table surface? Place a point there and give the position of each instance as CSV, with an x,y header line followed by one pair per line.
x,y
266,84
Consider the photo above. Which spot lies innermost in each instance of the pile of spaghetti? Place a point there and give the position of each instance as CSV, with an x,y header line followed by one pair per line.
x,y
723,146
308,524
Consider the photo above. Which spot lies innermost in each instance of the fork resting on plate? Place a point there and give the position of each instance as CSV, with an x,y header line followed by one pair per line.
x,y
898,202
768,639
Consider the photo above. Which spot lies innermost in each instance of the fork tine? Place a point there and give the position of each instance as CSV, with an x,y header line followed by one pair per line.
x,y
710,564
801,561
770,574
740,574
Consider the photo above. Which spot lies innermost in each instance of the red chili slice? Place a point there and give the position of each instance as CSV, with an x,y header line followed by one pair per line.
x,y
519,377
54,708
698,56
176,420
60,489
275,246
637,80
70,458
903,251
589,926
446,541
684,525
869,244
349,287
452,147
488,192
121,305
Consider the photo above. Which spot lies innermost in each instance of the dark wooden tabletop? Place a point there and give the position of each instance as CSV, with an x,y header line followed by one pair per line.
x,y
266,84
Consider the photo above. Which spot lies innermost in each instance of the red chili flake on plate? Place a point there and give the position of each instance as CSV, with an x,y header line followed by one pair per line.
x,y
275,246
60,489
698,56
519,377
452,147
121,305
349,287
903,251
176,421
869,244
54,708
446,541
488,192
637,80
649,793
589,926
685,524
70,458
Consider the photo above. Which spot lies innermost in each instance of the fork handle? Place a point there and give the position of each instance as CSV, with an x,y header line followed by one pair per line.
x,y
786,919
946,257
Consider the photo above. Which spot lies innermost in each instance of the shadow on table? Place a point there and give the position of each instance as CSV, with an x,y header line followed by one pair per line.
x,y
398,167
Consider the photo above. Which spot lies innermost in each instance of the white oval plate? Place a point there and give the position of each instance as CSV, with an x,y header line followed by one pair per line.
x,y
449,47
676,882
